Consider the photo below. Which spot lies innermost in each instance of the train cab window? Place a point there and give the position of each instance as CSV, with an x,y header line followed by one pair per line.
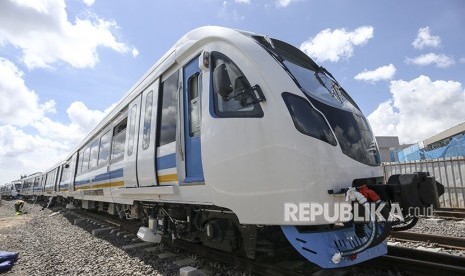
x,y
94,154
147,120
104,151
307,119
168,110
231,90
119,139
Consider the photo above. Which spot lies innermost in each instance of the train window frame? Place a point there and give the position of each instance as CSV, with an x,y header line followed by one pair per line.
x,y
101,163
94,145
147,127
84,157
132,129
163,120
256,112
65,172
194,109
118,130
79,162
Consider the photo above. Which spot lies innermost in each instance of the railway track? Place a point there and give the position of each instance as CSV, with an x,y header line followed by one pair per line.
x,y
441,241
399,259
419,262
450,213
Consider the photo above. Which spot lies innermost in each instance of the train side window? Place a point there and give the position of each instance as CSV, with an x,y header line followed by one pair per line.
x,y
229,85
132,129
85,159
168,110
147,120
194,106
65,173
79,168
119,139
94,154
104,151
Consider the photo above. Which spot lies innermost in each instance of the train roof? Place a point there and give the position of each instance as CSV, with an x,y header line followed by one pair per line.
x,y
179,51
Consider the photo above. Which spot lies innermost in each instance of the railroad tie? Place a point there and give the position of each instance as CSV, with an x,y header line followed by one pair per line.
x,y
136,245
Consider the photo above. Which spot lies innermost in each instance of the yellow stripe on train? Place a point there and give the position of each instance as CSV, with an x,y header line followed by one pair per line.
x,y
167,178
111,184
103,185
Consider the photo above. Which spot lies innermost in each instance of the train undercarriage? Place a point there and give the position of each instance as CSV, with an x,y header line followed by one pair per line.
x,y
219,228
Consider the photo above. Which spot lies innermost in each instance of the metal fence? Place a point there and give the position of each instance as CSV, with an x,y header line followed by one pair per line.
x,y
448,171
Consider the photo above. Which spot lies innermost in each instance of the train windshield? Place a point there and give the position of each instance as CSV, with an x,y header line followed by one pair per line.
x,y
17,186
324,92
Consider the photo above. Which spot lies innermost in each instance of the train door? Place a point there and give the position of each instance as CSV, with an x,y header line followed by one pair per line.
x,y
72,172
146,144
130,153
192,122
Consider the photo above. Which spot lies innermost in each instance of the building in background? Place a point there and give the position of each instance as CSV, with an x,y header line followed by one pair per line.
x,y
385,145
449,143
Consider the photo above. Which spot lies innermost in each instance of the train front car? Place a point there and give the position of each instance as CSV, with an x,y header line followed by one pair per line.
x,y
298,152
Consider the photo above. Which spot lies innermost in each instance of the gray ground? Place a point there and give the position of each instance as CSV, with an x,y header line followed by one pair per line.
x,y
50,245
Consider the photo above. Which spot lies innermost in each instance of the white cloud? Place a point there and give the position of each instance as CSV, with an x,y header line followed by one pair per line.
x,y
227,12
22,152
25,153
45,35
284,3
242,1
380,73
425,39
134,52
419,109
89,2
441,60
20,105
337,44
462,60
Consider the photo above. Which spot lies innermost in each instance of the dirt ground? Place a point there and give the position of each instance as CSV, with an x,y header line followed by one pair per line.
x,y
9,219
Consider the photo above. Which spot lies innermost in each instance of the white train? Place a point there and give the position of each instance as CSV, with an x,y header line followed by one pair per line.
x,y
218,136
10,190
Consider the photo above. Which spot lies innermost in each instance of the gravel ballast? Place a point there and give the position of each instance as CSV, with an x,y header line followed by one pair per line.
x,y
51,245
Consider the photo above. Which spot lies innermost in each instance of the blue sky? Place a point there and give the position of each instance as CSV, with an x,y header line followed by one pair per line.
x,y
64,63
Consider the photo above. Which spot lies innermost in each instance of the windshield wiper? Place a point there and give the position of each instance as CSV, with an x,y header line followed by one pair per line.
x,y
333,91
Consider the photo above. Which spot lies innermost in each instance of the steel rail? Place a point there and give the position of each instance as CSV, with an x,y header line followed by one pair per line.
x,y
453,213
418,262
441,241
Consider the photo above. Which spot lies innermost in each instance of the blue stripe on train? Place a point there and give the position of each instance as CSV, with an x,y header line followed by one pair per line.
x,y
82,182
101,177
166,162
